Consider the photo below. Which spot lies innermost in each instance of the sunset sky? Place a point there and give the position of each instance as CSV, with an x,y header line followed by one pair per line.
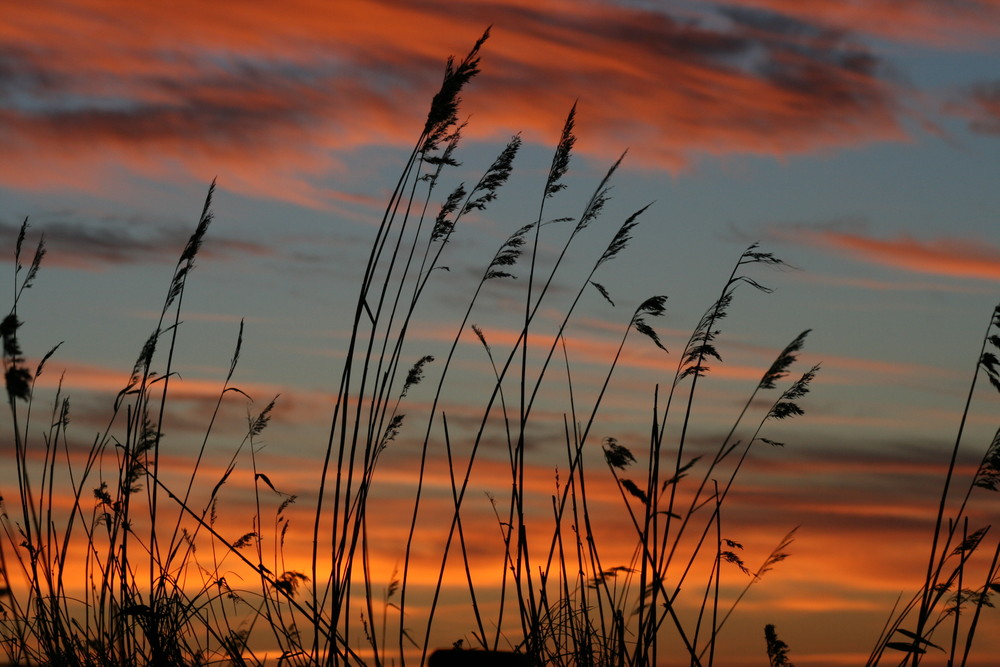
x,y
857,140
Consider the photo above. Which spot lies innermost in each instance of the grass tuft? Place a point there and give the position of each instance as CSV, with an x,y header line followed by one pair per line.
x,y
169,579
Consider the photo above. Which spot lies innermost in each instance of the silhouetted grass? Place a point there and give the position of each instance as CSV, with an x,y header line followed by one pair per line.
x,y
159,585
951,586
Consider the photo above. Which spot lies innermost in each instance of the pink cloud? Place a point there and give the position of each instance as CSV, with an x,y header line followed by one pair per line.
x,y
954,258
275,102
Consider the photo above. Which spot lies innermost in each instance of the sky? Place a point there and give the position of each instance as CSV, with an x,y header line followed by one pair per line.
x,y
857,141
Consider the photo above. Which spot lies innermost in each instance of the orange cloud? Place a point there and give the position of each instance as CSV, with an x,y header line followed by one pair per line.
x,y
76,376
954,258
276,101
864,520
907,285
920,22
591,348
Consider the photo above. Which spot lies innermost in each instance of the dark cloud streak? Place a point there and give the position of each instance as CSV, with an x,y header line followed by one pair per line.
x,y
75,242
980,106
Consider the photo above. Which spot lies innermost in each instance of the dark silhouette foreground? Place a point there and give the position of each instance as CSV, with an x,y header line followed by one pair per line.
x,y
469,658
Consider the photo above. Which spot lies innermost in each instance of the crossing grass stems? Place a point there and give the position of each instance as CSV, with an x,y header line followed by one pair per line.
x,y
155,557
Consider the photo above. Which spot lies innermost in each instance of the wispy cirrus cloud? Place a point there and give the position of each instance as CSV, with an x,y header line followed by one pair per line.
x,y
952,257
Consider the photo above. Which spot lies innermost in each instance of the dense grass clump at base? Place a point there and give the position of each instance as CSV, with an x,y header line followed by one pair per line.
x,y
157,565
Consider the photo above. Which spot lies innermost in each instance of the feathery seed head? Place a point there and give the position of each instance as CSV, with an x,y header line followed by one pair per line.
x,y
560,161
260,423
24,231
603,291
634,491
600,197
479,334
622,237
444,107
444,224
653,306
416,373
618,456
508,254
988,475
785,406
779,368
497,174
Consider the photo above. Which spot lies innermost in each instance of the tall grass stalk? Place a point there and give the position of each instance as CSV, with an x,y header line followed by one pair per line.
x,y
569,607
160,568
943,595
